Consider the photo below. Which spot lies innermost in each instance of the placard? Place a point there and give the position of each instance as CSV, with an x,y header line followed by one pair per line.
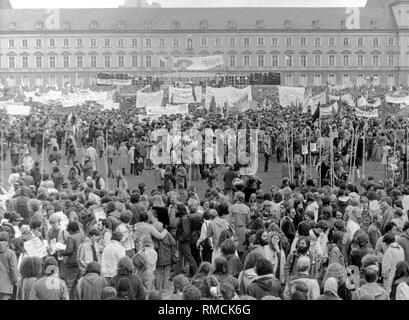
x,y
305,149
313,147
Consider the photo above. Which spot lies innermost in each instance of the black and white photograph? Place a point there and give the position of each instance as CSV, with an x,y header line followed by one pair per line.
x,y
204,150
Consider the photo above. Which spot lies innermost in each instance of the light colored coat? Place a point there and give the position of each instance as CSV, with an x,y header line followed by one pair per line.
x,y
110,257
392,256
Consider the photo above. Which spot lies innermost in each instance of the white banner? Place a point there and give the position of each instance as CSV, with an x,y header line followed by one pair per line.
x,y
198,63
376,104
367,114
181,95
145,100
321,98
240,105
362,102
35,248
156,112
18,110
222,95
114,82
290,95
395,100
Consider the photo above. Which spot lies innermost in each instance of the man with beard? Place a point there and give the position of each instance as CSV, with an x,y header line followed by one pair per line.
x,y
302,250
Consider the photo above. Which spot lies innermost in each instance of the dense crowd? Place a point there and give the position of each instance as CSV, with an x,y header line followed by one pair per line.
x,y
321,233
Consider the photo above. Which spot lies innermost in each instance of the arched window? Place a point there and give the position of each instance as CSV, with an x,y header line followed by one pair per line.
x,y
189,44
12,26
175,24
317,79
288,24
203,24
120,24
39,25
148,24
232,24
66,25
316,24
260,24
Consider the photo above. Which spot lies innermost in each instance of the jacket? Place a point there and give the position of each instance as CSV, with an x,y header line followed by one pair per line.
x,y
85,255
392,256
245,278
216,226
8,269
403,241
73,243
42,291
266,285
370,289
137,291
165,248
395,286
90,287
310,282
290,267
335,255
183,230
196,222
110,257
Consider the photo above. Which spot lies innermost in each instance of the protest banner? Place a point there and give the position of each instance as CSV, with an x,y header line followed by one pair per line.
x,y
198,63
367,114
397,100
185,95
290,95
144,100
158,111
18,110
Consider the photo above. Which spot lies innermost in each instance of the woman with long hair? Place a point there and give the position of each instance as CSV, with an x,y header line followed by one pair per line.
x,y
339,272
401,276
224,235
30,271
274,253
143,271
200,276
249,271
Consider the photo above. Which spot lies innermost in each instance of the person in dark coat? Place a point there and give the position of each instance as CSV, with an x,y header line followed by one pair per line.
x,y
90,286
125,271
265,284
287,224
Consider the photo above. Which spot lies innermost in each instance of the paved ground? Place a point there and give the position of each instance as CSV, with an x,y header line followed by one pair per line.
x,y
273,177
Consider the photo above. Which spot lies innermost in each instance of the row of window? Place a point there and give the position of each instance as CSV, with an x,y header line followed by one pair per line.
x,y
232,61
204,42
332,79
288,79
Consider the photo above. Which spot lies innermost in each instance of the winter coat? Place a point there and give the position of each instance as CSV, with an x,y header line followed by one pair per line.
x,y
241,214
24,287
73,243
183,230
216,226
245,277
266,285
8,268
85,255
137,291
90,287
165,249
309,281
42,291
123,157
392,256
371,289
110,257
403,241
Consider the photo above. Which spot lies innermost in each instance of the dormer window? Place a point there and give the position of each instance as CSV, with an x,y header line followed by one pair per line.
x,y
316,24
148,24
66,25
288,24
12,26
39,25
93,24
232,24
120,24
260,24
203,24
175,24
374,24
343,24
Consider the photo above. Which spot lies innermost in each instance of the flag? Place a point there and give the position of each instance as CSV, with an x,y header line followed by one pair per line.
x,y
212,107
194,93
316,114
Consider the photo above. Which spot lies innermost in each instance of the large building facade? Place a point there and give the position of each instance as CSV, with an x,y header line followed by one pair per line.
x,y
306,46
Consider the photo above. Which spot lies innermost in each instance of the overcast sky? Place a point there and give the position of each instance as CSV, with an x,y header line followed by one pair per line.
x,y
17,4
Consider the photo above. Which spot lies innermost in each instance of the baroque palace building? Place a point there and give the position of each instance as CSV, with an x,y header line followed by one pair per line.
x,y
305,46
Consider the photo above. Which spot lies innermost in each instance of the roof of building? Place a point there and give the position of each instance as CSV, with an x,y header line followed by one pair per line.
x,y
377,17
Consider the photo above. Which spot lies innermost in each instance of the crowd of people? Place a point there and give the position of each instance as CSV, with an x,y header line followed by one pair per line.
x,y
332,235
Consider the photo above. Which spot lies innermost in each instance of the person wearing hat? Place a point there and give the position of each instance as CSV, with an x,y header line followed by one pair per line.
x,y
8,267
91,285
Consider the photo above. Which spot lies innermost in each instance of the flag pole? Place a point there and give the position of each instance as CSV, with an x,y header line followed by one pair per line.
x,y
364,150
331,156
320,158
42,154
2,159
292,155
352,151
106,158
288,154
407,158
